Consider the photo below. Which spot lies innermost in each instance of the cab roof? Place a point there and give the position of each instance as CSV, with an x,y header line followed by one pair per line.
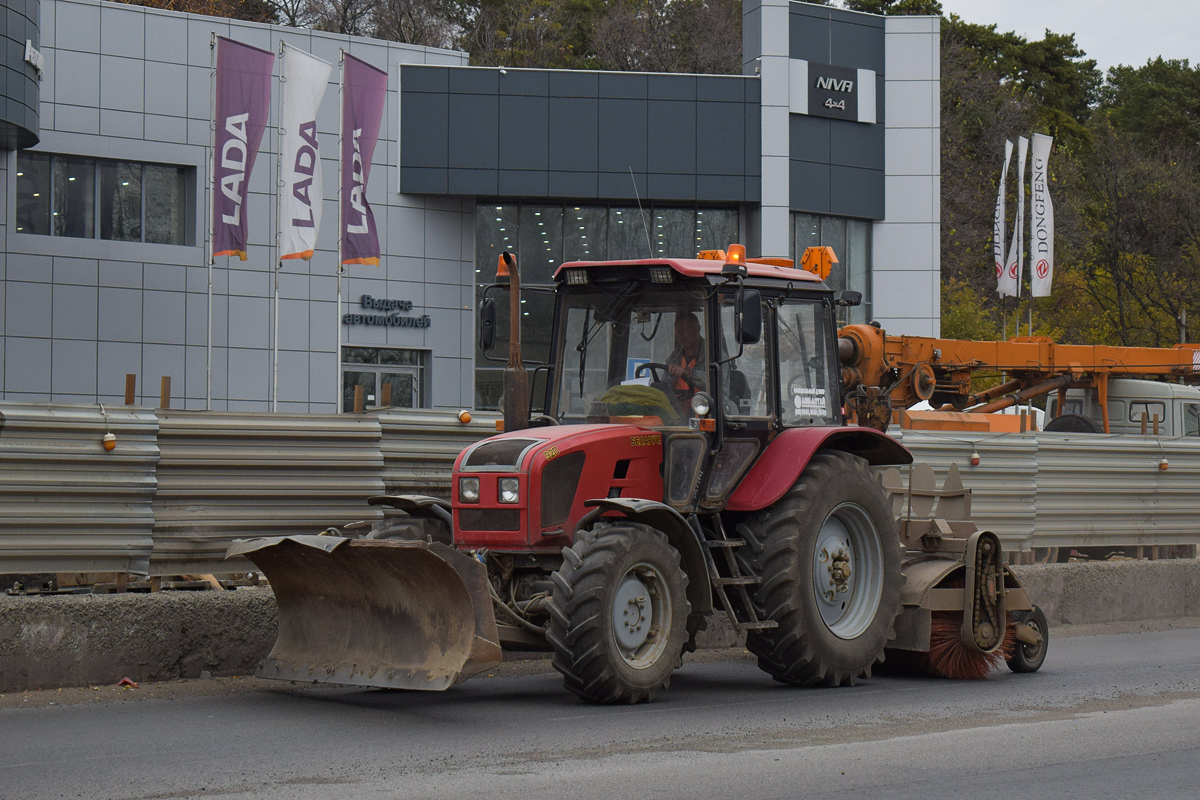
x,y
695,268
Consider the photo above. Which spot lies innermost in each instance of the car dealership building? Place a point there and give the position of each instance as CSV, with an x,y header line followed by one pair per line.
x,y
829,137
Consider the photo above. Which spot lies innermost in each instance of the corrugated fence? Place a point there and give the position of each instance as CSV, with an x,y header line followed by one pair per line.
x,y
180,485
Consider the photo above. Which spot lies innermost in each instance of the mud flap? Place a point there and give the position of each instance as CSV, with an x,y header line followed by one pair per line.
x,y
385,613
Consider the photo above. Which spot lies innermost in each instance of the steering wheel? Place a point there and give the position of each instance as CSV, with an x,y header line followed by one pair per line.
x,y
654,366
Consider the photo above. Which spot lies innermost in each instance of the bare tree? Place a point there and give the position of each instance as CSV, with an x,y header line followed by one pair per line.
x,y
423,22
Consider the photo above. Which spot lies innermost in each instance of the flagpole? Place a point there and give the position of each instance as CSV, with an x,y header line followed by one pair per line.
x,y
208,202
341,225
279,182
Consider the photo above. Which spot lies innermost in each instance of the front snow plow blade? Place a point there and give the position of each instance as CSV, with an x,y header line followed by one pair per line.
x,y
386,613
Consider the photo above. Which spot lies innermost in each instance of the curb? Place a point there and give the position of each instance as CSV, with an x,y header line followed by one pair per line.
x,y
79,640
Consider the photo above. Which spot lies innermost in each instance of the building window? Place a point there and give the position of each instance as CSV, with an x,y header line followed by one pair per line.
x,y
851,243
389,377
93,198
544,236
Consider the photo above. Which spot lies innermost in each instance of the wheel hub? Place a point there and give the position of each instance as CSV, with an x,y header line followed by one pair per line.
x,y
639,611
847,571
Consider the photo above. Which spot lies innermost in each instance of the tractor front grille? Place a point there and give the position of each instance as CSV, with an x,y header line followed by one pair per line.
x,y
489,519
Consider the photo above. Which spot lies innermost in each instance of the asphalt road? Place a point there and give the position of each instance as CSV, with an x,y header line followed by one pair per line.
x,y
1108,716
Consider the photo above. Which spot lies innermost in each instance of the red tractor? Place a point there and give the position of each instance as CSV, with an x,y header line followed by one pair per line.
x,y
689,455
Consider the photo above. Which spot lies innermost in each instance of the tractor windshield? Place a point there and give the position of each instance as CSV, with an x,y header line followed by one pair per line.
x,y
636,355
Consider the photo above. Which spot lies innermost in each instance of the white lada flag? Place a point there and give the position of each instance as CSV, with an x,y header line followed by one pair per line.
x,y
1003,285
300,195
1041,226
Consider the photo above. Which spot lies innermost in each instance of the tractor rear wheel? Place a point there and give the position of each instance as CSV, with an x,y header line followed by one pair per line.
x,y
829,558
1029,657
618,613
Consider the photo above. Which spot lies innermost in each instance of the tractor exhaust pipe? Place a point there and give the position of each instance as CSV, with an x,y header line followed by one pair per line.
x,y
516,379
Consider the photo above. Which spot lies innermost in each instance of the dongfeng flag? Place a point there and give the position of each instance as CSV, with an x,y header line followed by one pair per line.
x,y
1004,286
1016,253
300,197
364,92
1041,226
242,103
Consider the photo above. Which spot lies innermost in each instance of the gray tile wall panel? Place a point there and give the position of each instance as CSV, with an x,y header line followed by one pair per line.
x,y
573,184
671,187
720,148
858,44
249,372
77,119
163,317
74,312
425,79
474,81
78,28
115,360
671,87
120,315
73,367
123,30
82,271
620,185
671,137
125,124
472,181
721,89
27,362
77,78
810,33
166,129
166,89
419,180
810,138
164,34
425,140
27,309
719,188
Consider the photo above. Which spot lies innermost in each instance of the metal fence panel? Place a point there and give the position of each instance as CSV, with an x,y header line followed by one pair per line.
x,y
419,448
1003,486
227,475
1100,489
66,503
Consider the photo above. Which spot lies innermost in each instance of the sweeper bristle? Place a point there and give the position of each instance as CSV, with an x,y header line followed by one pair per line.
x,y
950,657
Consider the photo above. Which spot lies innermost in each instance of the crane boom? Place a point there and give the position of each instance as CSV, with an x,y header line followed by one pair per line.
x,y
882,372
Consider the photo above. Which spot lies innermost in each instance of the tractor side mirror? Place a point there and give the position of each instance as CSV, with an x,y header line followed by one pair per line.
x,y
748,308
487,324
849,297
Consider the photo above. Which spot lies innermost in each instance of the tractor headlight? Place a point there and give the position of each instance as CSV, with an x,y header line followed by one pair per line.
x,y
468,490
701,404
510,490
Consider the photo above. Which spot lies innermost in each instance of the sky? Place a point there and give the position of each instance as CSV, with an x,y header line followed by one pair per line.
x,y
1111,31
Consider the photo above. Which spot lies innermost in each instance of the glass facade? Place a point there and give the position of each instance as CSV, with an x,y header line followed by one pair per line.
x,y
851,243
388,377
544,236
90,198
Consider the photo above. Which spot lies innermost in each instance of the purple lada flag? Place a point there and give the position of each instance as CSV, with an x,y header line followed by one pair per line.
x,y
364,92
242,104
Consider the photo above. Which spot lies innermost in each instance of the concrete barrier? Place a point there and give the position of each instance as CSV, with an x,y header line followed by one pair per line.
x,y
48,642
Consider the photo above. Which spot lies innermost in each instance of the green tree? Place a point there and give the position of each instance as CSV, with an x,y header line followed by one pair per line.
x,y
897,7
1158,102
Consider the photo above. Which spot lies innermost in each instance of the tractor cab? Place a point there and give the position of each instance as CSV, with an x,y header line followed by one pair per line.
x,y
716,353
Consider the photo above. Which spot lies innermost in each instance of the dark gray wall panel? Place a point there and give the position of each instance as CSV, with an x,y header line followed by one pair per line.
x,y
474,122
574,124
809,187
473,181
622,132
525,81
424,137
521,183
524,132
573,184
474,80
554,123
858,44
623,85
671,87
809,137
753,189
19,102
856,192
810,33
619,185
574,84
671,187
719,188
425,79
730,90
422,180
855,145
671,136
720,140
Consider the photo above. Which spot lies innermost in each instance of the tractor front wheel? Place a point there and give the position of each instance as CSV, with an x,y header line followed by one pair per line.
x,y
829,558
618,613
